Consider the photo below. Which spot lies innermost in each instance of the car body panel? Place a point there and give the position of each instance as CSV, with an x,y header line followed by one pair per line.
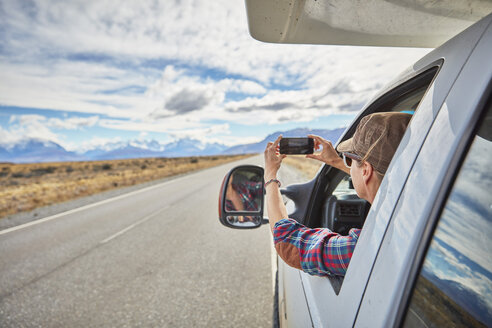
x,y
401,23
340,310
450,130
293,310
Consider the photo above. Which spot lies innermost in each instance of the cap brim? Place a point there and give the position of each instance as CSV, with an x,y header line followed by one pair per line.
x,y
346,146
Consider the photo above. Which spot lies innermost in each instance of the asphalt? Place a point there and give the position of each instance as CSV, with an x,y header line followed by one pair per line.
x,y
153,257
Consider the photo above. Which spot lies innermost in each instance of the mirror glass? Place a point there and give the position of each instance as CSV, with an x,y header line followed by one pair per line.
x,y
244,221
244,191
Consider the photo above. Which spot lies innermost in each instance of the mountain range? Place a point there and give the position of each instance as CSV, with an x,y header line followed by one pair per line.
x,y
36,150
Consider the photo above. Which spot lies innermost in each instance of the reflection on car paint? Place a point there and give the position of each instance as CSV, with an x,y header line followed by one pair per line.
x,y
455,285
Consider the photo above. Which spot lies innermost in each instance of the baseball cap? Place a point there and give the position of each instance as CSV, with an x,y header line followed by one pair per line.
x,y
376,138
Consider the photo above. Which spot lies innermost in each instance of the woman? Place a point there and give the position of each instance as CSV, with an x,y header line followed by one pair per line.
x,y
366,157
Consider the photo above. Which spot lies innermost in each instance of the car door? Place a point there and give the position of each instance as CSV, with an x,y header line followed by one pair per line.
x,y
328,306
425,188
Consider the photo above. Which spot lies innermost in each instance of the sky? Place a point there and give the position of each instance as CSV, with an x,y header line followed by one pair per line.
x,y
86,74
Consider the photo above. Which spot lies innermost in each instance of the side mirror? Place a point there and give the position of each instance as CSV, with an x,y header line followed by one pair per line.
x,y
241,198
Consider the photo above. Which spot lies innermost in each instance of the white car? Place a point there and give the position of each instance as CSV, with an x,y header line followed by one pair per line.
x,y
423,258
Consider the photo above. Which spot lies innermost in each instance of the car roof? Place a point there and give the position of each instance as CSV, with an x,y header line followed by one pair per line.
x,y
400,23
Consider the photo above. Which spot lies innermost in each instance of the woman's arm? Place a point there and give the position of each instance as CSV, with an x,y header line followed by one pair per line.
x,y
328,154
275,204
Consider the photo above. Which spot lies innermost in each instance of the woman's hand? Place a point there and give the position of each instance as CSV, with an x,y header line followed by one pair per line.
x,y
328,154
273,159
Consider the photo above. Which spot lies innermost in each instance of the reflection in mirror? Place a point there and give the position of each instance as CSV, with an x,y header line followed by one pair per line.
x,y
244,221
244,191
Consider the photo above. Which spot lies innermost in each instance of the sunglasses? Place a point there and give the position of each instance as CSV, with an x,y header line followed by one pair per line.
x,y
349,157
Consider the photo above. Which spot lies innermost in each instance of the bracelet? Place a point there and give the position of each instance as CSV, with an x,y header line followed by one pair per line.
x,y
273,180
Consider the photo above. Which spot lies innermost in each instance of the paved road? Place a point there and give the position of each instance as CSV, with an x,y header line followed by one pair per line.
x,y
157,257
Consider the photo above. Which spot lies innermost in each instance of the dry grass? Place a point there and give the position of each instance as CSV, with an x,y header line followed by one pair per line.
x,y
24,187
308,167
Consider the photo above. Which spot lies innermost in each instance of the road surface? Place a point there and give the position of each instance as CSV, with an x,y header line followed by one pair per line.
x,y
156,257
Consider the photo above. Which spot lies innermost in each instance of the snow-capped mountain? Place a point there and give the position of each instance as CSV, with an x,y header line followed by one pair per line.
x,y
137,149
187,146
125,149
259,147
35,150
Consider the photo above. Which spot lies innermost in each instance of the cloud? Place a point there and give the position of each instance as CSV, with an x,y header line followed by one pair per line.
x,y
351,106
166,65
73,123
276,106
69,123
342,86
202,134
27,127
32,126
442,263
98,143
26,119
187,101
246,87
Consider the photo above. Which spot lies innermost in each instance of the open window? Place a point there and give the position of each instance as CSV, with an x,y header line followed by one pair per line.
x,y
335,204
336,198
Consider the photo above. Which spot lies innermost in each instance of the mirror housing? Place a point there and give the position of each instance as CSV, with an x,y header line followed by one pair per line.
x,y
241,198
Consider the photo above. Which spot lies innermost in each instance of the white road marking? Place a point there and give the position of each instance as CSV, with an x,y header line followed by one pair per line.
x,y
133,225
49,218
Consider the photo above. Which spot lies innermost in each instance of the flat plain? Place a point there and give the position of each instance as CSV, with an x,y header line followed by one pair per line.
x,y
306,166
24,187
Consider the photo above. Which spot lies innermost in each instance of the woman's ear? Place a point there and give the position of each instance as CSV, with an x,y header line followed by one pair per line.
x,y
367,172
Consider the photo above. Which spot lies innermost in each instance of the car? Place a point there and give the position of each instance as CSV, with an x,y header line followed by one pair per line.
x,y
423,255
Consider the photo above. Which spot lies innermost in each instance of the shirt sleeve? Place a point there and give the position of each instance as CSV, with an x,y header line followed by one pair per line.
x,y
318,251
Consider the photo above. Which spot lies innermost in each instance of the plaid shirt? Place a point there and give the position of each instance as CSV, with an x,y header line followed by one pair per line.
x,y
249,193
320,251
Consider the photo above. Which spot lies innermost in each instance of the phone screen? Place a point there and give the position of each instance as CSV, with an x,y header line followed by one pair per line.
x,y
299,146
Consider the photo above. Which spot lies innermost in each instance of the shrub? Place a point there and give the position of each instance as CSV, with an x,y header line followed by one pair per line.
x,y
104,167
42,171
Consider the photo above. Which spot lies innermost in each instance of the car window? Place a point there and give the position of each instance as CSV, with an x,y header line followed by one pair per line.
x,y
342,209
410,102
404,98
454,287
344,186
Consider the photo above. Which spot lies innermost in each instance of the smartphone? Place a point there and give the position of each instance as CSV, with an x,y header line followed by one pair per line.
x,y
300,146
